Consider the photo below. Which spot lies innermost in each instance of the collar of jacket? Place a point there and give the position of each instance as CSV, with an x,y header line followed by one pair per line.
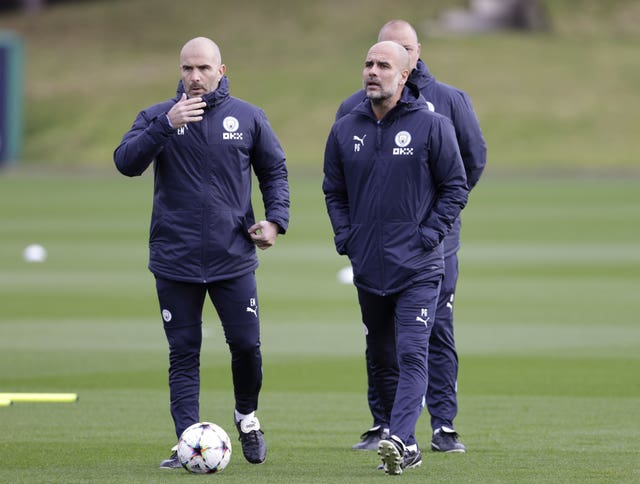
x,y
410,99
212,98
420,76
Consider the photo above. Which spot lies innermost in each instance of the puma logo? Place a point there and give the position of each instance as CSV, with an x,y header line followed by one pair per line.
x,y
450,303
361,140
254,311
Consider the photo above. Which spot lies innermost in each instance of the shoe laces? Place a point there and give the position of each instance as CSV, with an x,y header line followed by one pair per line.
x,y
252,435
251,440
449,433
377,431
371,431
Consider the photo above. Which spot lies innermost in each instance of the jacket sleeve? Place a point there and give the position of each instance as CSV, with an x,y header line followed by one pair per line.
x,y
449,177
269,165
335,194
142,143
473,148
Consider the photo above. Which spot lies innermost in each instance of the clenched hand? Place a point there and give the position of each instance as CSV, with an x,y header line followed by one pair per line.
x,y
264,234
186,110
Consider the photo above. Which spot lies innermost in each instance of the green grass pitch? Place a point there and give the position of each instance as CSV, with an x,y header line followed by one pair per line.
x,y
548,300
547,330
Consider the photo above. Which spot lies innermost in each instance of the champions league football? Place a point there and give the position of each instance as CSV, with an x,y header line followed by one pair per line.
x,y
204,448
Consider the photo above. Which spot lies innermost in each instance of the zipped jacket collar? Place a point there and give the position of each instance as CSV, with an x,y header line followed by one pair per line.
x,y
212,98
410,100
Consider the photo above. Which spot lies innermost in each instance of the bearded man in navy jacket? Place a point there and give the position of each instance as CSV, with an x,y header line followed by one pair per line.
x,y
204,145
441,398
394,184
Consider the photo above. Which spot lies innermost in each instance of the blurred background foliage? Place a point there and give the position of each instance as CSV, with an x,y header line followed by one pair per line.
x,y
566,101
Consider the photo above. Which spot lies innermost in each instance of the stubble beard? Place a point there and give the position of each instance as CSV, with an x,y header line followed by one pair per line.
x,y
379,97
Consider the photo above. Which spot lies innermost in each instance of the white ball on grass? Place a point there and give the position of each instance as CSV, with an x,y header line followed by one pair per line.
x,y
345,275
204,448
34,253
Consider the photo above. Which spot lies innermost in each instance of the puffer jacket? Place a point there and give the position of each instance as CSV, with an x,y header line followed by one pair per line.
x,y
393,188
202,185
456,105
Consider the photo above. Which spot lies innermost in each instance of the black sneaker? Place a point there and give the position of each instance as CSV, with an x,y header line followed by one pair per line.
x,y
254,447
412,458
392,452
371,438
172,462
446,440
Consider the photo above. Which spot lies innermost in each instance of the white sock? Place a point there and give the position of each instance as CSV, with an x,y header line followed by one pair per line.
x,y
241,416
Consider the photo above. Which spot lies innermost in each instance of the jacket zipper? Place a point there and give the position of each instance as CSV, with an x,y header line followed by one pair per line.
x,y
203,188
378,218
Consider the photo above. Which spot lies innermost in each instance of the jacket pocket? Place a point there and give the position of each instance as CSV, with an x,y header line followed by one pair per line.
x,y
341,241
227,235
429,238
175,235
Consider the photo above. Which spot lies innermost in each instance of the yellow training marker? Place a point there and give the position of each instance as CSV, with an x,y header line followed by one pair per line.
x,y
5,402
40,397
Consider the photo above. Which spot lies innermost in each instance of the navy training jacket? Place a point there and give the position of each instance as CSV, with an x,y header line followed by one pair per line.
x,y
456,105
202,185
393,188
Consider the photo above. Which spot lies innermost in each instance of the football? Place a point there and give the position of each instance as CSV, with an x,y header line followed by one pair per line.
x,y
204,448
34,253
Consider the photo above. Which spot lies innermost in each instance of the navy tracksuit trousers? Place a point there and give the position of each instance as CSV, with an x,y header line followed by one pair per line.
x,y
441,398
236,303
398,328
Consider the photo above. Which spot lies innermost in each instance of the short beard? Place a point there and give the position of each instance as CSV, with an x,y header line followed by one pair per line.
x,y
380,100
379,97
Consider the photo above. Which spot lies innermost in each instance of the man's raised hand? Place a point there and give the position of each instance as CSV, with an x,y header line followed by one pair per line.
x,y
186,110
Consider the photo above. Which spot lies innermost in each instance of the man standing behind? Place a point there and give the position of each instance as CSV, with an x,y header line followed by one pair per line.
x,y
204,145
441,397
394,184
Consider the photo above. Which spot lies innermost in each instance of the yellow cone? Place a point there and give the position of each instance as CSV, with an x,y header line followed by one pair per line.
x,y
40,397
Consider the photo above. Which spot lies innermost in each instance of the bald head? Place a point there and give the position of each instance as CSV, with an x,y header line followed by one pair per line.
x,y
386,70
393,51
203,47
403,33
201,66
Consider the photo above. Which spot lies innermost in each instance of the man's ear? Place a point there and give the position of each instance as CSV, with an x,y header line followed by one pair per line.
x,y
405,77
